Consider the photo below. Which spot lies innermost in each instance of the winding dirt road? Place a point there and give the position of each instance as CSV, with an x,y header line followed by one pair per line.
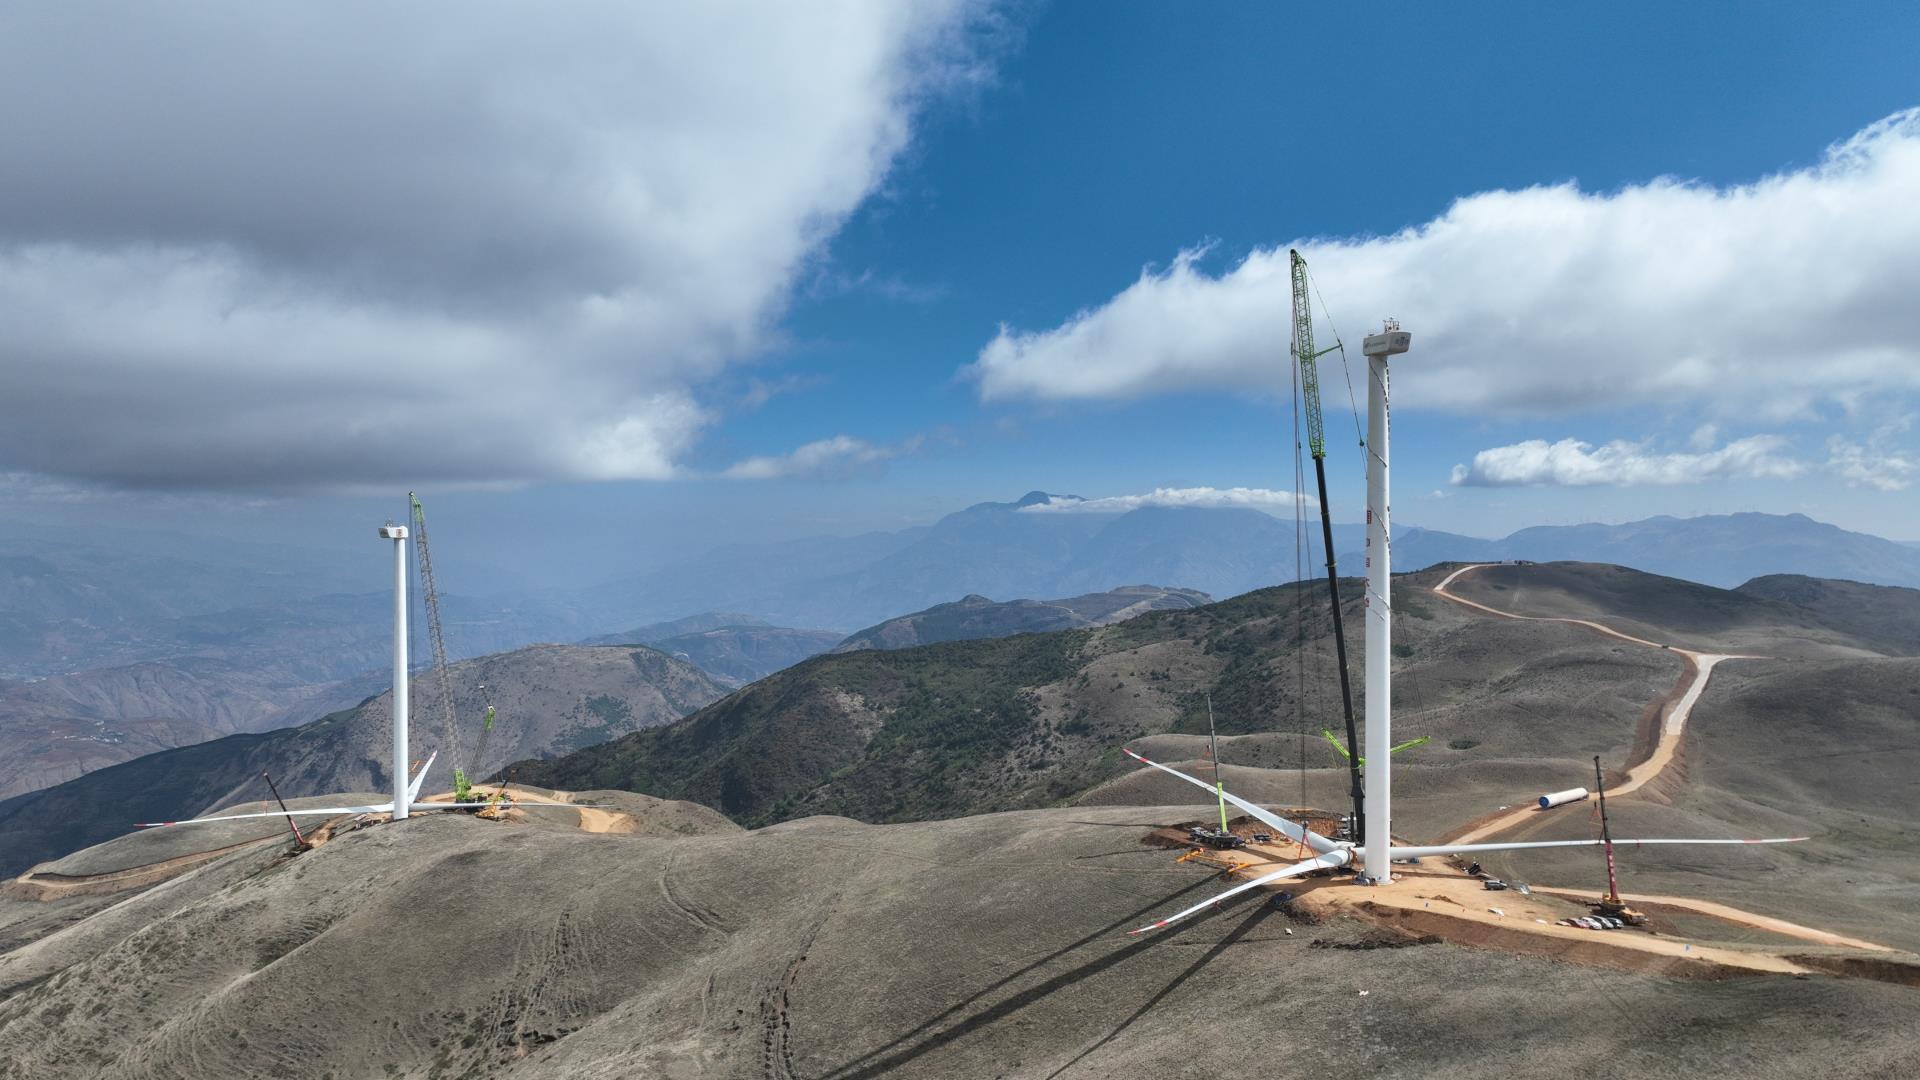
x,y
1673,722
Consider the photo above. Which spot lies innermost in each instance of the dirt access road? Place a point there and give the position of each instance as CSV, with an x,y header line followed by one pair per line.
x,y
1673,723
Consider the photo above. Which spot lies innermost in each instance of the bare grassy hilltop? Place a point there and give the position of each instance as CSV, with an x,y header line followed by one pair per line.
x,y
984,946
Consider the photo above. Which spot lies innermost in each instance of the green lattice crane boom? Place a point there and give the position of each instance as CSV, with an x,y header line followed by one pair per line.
x,y
1303,351
443,676
1306,356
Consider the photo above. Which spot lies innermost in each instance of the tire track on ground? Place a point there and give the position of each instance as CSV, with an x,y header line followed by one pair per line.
x,y
776,1008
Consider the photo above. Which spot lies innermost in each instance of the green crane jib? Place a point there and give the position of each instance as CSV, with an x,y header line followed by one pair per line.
x,y
1307,356
461,787
1341,747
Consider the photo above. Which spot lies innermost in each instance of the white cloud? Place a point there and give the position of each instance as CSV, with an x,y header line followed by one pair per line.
x,y
1266,500
837,456
840,454
1760,298
1572,463
1874,465
272,246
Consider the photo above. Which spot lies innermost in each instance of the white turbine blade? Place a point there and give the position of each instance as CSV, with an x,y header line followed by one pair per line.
x,y
508,802
1469,849
1331,859
318,811
1287,828
413,789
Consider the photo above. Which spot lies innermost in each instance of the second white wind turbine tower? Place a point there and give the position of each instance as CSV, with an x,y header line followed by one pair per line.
x,y
406,793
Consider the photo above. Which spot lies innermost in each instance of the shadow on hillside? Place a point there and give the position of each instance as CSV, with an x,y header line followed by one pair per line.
x,y
886,1058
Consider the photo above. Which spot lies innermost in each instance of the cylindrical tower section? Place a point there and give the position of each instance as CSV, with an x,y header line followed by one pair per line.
x,y
1379,767
398,534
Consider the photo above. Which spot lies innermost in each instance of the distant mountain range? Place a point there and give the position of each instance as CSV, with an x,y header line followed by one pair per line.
x,y
1722,549
978,617
732,647
1017,549
115,643
999,549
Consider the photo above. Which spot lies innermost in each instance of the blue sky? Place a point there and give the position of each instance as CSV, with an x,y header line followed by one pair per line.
x,y
1018,168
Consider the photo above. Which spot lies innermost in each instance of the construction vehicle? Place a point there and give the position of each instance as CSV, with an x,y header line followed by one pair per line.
x,y
1611,906
1221,840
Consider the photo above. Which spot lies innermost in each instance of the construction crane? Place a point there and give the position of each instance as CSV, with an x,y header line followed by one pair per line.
x,y
1306,356
1611,905
462,789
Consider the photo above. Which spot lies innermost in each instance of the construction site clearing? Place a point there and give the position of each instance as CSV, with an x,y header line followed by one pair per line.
x,y
1440,899
142,860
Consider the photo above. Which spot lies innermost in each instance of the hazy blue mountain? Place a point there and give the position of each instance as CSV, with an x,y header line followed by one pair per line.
x,y
1723,550
692,624
978,617
72,600
734,647
990,549
1011,549
737,655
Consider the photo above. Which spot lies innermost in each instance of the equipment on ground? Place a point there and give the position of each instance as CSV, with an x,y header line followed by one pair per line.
x,y
1559,798
1222,840
1596,922
299,842
1213,749
1307,357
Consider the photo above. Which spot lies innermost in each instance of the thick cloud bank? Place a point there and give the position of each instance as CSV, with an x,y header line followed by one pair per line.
x,y
1572,463
287,246
1770,296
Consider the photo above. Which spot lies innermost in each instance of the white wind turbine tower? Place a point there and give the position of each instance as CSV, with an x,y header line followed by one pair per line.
x,y
406,794
1378,854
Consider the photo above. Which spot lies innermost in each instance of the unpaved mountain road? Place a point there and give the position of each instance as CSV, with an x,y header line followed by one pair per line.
x,y
1673,724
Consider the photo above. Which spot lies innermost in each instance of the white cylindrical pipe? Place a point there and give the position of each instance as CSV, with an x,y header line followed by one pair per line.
x,y
399,535
1555,798
1379,767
